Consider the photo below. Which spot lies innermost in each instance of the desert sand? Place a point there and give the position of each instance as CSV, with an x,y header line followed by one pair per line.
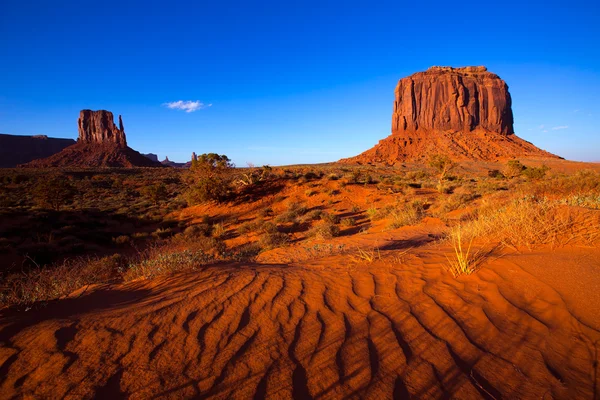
x,y
399,326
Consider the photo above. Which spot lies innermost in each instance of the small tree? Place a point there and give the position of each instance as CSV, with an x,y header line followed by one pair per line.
x,y
54,193
442,164
212,163
209,178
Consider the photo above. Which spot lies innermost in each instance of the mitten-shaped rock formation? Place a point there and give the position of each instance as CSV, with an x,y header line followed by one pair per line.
x,y
100,144
464,113
99,127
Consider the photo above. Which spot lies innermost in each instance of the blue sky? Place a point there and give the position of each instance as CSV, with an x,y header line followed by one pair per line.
x,y
289,82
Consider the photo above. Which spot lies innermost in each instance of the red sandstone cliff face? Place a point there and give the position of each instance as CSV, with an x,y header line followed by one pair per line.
x,y
453,99
464,113
99,127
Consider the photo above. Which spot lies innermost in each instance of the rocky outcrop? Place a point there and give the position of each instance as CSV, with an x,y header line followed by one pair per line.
x,y
453,99
464,113
100,144
99,127
15,150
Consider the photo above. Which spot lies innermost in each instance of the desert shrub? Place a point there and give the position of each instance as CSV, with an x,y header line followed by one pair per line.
x,y
204,189
168,262
247,227
311,175
54,193
266,212
495,173
456,201
353,176
218,230
52,282
513,169
417,175
313,215
210,179
407,214
273,240
348,222
123,239
293,211
444,188
268,227
140,235
535,173
324,230
310,192
162,232
202,229
330,218
373,213
246,252
442,164
155,193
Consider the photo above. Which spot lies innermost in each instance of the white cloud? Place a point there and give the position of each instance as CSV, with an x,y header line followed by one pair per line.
x,y
541,127
187,106
556,128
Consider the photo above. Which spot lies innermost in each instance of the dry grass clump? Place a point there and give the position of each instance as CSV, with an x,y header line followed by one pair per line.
x,y
348,222
527,221
272,240
456,201
52,282
324,230
464,260
167,262
368,255
292,213
407,214
582,184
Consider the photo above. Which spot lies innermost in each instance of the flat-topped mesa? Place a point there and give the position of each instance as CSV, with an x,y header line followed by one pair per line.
x,y
452,100
99,127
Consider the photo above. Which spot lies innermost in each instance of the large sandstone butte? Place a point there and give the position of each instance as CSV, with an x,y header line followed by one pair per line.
x,y
100,144
99,127
464,113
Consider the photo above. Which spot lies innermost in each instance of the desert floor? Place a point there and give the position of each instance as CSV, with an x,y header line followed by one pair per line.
x,y
371,314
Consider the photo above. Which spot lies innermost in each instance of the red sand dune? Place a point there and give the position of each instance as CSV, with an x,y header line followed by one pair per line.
x,y
337,327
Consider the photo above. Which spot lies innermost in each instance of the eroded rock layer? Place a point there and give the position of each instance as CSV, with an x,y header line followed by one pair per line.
x,y
453,99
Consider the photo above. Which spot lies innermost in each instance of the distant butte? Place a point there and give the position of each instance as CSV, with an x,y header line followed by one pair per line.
x,y
99,127
100,144
464,113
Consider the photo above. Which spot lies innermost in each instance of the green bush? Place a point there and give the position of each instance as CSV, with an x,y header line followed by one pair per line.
x,y
205,189
534,173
